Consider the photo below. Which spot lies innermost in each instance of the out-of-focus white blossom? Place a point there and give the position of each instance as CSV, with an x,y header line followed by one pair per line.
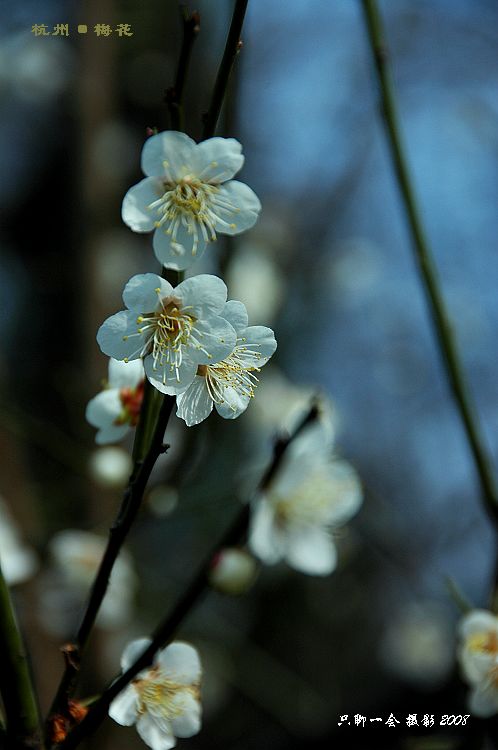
x,y
417,645
164,700
35,72
110,466
255,279
478,657
18,561
233,571
312,494
116,409
174,330
280,403
76,556
188,196
229,384
162,500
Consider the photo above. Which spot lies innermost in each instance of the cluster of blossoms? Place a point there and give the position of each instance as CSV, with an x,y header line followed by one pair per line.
x,y
193,344
478,657
187,340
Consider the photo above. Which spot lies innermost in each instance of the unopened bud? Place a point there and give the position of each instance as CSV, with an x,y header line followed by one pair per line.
x,y
110,467
233,571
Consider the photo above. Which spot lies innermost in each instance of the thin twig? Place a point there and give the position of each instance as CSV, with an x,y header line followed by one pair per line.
x,y
165,630
428,275
23,728
174,95
130,505
232,48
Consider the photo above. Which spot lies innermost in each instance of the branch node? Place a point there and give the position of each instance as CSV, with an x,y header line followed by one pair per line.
x,y
71,654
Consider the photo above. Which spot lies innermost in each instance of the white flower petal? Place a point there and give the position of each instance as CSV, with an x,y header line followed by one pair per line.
x,y
478,621
475,665
179,254
116,336
133,650
483,701
140,293
346,494
176,149
310,449
217,338
125,374
153,735
244,208
104,408
259,339
234,403
236,314
180,663
112,433
217,159
135,210
265,539
168,381
195,404
124,707
310,549
204,294
188,722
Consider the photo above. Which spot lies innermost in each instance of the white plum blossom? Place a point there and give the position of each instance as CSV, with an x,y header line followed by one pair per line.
x,y
312,494
189,196
164,700
116,409
174,330
478,657
229,384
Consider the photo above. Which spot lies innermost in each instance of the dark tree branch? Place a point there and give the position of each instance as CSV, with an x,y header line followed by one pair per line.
x,y
130,505
174,95
232,48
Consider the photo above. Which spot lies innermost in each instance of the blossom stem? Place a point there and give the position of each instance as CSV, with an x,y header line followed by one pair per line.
x,y
130,505
232,48
174,95
145,428
428,274
23,729
166,629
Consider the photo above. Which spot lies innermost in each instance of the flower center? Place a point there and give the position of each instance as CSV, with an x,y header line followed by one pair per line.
x,y
166,332
192,204
162,697
131,400
236,371
156,695
309,503
486,642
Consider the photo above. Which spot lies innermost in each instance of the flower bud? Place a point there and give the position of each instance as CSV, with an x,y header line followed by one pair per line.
x,y
233,571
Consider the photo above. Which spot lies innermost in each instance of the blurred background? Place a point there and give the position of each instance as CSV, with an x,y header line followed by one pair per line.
x,y
329,267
